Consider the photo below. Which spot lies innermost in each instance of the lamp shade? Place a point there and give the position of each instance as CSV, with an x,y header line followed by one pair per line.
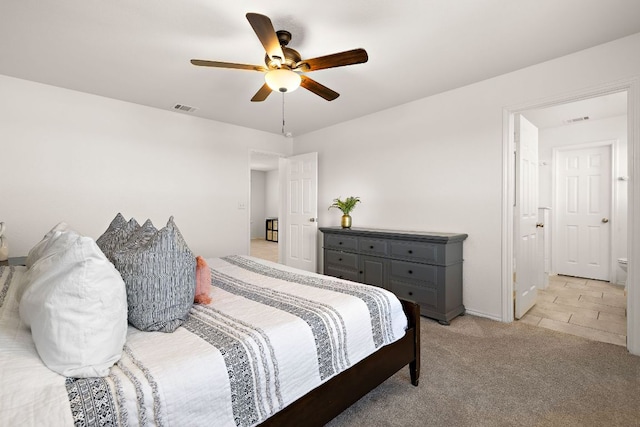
x,y
282,80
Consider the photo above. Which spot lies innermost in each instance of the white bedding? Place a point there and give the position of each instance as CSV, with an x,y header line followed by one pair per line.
x,y
270,335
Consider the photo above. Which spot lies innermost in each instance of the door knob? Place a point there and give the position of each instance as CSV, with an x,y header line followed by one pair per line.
x,y
312,220
605,220
539,225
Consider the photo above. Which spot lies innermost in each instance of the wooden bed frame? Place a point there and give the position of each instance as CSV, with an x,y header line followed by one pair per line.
x,y
324,403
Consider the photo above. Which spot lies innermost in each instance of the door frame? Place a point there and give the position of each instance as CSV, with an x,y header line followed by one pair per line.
x,y
632,87
612,200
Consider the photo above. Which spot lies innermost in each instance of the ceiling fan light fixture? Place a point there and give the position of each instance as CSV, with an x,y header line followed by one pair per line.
x,y
282,80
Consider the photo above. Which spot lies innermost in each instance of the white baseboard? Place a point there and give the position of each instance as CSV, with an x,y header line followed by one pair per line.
x,y
485,315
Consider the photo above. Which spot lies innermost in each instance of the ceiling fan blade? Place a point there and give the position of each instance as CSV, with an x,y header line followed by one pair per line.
x,y
264,30
218,64
262,93
318,89
349,57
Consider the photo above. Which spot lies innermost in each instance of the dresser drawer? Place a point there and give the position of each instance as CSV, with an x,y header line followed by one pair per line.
x,y
410,270
341,259
424,252
347,243
426,297
374,246
352,275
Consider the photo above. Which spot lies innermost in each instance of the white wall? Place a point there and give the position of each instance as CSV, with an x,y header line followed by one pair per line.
x,y
611,129
75,157
436,164
272,194
258,183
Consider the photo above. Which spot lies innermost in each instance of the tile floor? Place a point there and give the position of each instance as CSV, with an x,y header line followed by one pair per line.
x,y
588,308
264,249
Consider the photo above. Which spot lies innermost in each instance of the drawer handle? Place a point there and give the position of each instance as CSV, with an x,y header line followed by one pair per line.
x,y
361,272
339,259
410,293
339,243
371,247
410,251
410,271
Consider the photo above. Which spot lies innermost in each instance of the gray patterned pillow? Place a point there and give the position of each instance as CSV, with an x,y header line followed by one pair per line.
x,y
159,271
116,235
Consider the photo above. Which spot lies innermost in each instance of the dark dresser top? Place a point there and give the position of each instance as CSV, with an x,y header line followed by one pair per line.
x,y
424,236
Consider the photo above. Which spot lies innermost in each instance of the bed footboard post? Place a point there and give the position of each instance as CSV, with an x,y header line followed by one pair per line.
x,y
412,310
414,367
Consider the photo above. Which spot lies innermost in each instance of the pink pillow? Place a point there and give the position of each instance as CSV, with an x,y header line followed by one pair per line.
x,y
203,281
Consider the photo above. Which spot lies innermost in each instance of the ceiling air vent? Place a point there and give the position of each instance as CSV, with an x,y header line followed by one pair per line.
x,y
185,108
575,120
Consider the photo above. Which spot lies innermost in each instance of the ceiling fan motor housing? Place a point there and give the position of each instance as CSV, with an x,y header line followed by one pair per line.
x,y
284,37
291,59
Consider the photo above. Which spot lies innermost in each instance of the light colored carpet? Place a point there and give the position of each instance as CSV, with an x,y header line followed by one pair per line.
x,y
479,372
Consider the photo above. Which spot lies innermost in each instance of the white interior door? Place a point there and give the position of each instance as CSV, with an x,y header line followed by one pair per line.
x,y
525,247
583,206
298,223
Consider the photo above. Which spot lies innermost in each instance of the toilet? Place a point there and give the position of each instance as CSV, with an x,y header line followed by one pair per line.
x,y
622,262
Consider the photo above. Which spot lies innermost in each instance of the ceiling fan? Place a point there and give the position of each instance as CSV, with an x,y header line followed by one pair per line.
x,y
284,66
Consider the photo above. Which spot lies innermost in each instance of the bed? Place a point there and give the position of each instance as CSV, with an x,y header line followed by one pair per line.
x,y
275,346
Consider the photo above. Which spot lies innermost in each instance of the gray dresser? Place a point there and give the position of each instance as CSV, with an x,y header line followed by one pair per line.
x,y
421,267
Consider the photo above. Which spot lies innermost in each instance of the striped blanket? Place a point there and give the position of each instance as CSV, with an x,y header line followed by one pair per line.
x,y
270,335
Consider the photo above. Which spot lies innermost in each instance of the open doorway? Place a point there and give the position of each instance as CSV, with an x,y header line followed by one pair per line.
x,y
565,125
286,206
588,137
264,205
582,186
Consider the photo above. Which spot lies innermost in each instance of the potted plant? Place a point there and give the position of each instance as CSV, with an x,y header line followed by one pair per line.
x,y
346,206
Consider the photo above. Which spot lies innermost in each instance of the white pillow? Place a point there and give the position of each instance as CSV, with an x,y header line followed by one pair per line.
x,y
76,304
38,250
58,238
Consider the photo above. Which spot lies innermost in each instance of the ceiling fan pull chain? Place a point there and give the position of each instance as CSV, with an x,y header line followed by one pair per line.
x,y
283,113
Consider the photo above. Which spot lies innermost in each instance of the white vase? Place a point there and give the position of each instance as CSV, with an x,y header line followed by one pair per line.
x,y
4,245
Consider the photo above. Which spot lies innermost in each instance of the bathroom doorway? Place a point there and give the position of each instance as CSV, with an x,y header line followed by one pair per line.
x,y
591,135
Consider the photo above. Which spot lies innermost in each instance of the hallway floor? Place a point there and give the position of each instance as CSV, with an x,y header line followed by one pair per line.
x,y
264,249
591,309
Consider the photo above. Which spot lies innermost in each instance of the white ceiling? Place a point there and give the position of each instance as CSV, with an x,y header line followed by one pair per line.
x,y
139,51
